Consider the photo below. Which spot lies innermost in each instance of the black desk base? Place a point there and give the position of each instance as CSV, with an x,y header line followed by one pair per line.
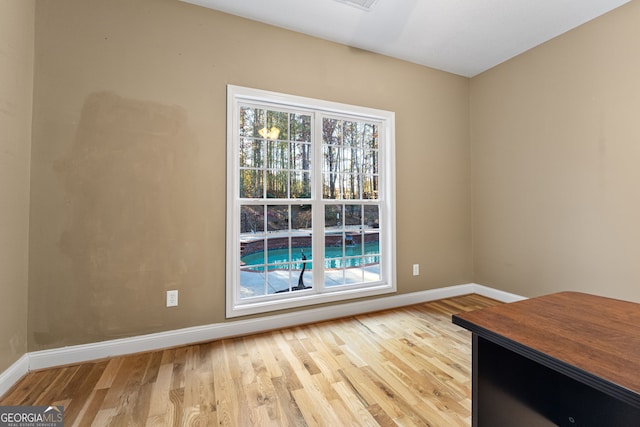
x,y
510,390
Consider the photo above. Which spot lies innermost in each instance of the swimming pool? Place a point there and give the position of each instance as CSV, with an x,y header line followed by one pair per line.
x,y
278,259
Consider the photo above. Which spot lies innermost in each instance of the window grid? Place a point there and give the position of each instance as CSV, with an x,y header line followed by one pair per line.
x,y
295,168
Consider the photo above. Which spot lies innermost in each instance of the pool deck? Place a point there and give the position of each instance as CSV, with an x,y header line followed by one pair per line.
x,y
252,282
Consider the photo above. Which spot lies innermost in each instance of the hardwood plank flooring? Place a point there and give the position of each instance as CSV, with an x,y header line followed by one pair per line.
x,y
403,367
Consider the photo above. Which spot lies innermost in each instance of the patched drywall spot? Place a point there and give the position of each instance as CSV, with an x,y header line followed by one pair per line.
x,y
132,220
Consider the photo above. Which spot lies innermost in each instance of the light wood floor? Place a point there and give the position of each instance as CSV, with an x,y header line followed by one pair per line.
x,y
409,367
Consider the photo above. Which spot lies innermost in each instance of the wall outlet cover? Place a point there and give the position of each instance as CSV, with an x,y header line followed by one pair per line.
x,y
172,298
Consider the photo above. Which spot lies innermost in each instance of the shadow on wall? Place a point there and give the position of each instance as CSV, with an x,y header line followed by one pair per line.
x,y
132,224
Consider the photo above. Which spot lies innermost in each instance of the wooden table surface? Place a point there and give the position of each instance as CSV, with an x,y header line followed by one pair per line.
x,y
592,339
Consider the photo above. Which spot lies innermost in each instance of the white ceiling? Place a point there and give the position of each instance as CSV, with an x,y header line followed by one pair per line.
x,y
464,37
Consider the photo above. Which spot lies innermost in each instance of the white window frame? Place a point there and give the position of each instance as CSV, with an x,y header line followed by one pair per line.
x,y
235,306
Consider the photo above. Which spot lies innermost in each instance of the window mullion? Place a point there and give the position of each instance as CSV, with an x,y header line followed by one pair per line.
x,y
318,205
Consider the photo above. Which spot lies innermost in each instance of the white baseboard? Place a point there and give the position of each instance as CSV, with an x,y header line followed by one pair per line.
x,y
12,375
86,352
496,294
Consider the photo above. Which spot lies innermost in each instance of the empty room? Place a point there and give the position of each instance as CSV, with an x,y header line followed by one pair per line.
x,y
331,212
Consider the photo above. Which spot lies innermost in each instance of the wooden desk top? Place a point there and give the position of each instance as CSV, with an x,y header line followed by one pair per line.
x,y
592,339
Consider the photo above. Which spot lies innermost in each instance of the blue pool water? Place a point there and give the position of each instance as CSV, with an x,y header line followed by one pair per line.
x,y
353,257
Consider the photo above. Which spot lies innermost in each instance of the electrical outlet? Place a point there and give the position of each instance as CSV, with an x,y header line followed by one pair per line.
x,y
172,298
416,269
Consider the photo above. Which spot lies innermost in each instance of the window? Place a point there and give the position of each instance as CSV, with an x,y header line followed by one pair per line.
x,y
310,201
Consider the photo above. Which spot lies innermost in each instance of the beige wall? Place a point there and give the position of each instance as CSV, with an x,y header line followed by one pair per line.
x,y
128,171
16,90
555,136
128,179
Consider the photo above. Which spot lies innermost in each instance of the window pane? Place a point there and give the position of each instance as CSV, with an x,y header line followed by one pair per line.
x,y
353,215
371,216
353,244
301,275
370,137
372,243
251,219
252,252
251,184
333,216
371,260
300,127
301,218
370,162
301,156
252,282
372,269
251,121
277,155
352,160
333,246
277,184
278,250
251,153
333,277
331,158
277,218
300,185
277,125
278,277
370,187
302,279
353,275
301,253
331,131
331,186
353,133
350,188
